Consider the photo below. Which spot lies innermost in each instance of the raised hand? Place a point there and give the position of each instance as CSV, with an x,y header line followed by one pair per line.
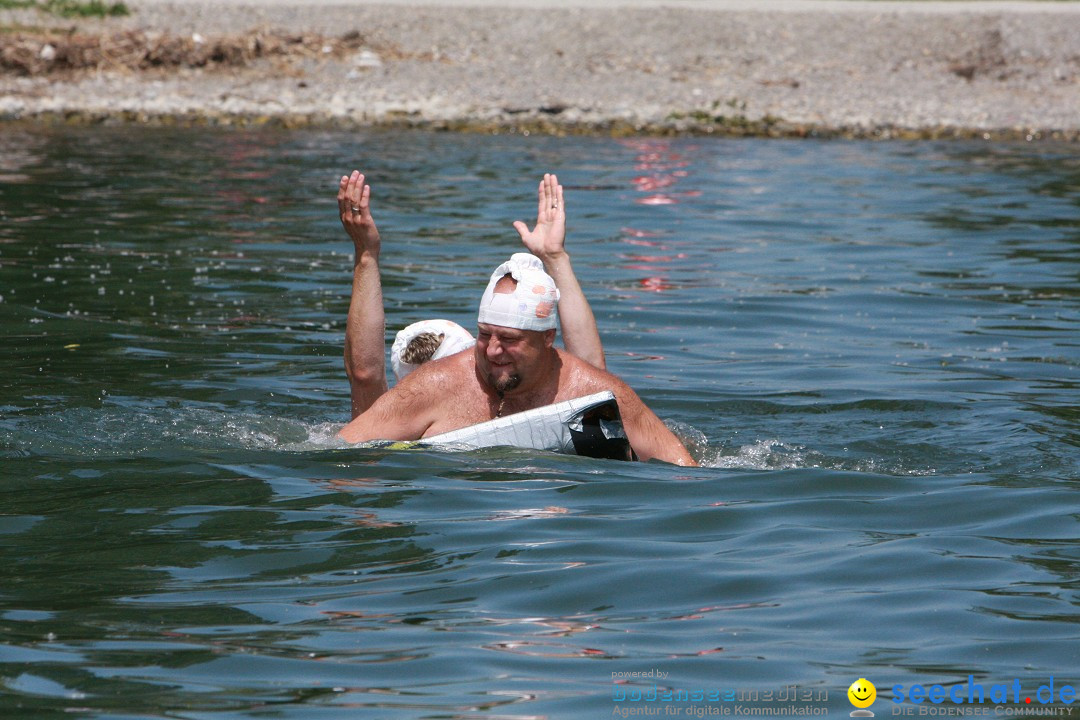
x,y
354,208
546,241
365,327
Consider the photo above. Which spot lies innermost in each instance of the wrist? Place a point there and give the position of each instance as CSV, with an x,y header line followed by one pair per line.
x,y
365,257
555,261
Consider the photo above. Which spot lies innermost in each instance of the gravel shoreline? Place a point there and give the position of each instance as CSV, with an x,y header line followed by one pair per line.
x,y
860,69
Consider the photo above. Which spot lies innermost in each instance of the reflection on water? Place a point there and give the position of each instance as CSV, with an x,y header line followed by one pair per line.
x,y
871,347
18,150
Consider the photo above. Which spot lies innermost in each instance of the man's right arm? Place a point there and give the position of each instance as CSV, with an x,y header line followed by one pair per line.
x,y
404,413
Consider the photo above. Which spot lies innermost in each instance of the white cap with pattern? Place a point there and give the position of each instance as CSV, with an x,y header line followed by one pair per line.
x,y
534,303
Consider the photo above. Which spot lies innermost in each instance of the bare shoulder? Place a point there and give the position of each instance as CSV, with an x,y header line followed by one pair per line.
x,y
447,393
430,384
578,378
436,376
410,408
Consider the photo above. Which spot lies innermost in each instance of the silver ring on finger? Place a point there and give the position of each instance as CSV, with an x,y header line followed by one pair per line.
x,y
355,209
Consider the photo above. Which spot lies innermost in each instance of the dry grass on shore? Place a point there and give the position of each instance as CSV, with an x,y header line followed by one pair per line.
x,y
994,73
34,53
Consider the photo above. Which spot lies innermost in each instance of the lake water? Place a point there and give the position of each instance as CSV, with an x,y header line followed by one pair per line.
x,y
872,348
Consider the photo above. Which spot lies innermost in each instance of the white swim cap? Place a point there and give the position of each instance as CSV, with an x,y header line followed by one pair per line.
x,y
533,305
455,339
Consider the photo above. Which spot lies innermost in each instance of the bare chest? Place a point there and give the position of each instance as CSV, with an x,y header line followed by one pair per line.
x,y
462,407
458,408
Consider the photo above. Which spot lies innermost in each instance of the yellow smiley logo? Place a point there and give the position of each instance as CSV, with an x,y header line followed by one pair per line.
x,y
862,693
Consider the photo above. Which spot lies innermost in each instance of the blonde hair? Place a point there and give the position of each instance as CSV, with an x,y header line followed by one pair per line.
x,y
422,347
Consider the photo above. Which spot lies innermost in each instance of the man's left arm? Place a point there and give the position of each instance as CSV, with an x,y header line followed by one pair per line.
x,y
648,434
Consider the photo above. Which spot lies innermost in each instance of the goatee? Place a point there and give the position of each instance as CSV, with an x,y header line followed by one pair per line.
x,y
506,383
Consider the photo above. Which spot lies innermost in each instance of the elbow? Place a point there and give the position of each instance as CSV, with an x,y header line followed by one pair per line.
x,y
362,376
350,435
595,358
365,388
682,459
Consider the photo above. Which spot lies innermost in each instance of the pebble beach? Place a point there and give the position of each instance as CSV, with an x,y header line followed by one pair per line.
x,y
782,68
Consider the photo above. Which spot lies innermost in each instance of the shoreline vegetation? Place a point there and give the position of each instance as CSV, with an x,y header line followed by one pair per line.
x,y
913,70
69,8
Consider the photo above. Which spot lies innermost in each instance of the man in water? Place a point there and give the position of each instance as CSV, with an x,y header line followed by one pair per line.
x,y
433,339
514,365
